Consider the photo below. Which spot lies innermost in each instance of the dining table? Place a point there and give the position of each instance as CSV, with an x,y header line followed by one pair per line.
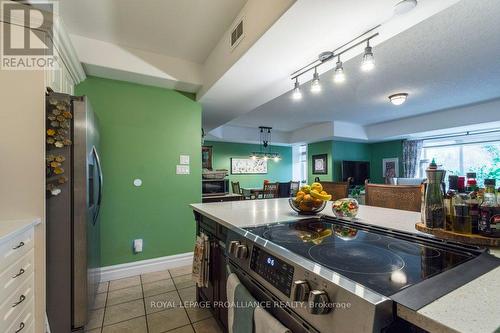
x,y
256,191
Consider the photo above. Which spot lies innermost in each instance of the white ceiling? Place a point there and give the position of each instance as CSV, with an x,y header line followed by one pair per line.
x,y
450,59
297,37
186,29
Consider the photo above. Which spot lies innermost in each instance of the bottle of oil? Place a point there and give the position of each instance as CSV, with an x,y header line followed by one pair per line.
x,y
448,208
489,222
461,215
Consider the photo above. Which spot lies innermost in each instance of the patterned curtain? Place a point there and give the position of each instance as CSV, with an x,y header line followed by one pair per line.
x,y
411,157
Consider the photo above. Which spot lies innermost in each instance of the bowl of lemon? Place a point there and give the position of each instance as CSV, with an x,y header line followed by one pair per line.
x,y
310,199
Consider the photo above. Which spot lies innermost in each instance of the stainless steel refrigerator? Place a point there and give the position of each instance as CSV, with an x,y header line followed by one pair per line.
x,y
74,192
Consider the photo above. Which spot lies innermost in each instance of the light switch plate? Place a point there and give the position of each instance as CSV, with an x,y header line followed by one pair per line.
x,y
184,159
137,245
182,170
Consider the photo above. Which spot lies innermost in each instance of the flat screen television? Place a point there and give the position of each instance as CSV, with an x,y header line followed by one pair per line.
x,y
358,170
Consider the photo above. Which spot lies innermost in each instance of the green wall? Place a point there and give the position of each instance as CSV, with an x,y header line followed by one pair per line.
x,y
143,131
342,150
382,150
318,148
348,151
280,171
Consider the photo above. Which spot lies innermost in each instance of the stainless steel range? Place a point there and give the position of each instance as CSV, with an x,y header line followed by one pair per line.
x,y
327,275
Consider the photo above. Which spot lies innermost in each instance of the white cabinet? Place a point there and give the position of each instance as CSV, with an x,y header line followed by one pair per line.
x,y
17,271
59,79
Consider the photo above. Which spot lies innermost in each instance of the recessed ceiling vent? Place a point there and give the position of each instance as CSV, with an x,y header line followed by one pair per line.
x,y
237,34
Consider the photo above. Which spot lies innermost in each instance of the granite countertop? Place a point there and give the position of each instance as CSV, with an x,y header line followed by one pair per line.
x,y
9,228
474,307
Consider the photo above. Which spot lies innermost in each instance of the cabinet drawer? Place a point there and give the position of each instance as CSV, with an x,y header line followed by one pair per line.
x,y
24,322
15,303
14,248
16,274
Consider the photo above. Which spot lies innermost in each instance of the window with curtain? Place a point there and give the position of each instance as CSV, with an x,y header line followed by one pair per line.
x,y
461,155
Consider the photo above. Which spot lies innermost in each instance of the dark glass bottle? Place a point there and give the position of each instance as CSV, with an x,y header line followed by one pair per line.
x,y
433,201
489,222
448,208
461,215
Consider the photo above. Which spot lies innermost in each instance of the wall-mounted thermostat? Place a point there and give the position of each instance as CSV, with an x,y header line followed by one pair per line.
x,y
184,159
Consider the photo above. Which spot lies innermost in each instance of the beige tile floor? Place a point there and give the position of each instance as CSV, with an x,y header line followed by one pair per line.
x,y
150,303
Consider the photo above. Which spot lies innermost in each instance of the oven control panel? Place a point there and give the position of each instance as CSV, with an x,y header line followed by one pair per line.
x,y
273,270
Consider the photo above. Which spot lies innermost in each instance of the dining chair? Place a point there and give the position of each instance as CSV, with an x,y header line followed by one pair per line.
x,y
338,190
404,197
294,188
246,194
270,191
284,190
235,186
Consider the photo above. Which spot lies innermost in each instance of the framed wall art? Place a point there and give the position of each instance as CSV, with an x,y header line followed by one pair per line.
x,y
390,167
242,166
206,157
320,164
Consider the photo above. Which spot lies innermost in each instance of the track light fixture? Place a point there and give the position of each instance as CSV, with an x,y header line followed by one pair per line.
x,y
368,60
315,84
297,94
367,64
339,75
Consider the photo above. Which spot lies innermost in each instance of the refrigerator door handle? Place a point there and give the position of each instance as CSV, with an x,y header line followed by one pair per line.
x,y
99,170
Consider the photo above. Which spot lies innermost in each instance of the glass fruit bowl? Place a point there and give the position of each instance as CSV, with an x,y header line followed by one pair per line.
x,y
346,207
307,207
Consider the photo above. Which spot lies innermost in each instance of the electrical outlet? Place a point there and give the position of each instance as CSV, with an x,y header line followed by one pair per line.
x,y
137,245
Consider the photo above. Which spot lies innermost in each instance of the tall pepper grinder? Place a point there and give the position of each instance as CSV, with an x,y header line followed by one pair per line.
x,y
434,211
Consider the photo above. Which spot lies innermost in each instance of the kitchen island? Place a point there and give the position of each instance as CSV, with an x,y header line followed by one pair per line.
x,y
471,308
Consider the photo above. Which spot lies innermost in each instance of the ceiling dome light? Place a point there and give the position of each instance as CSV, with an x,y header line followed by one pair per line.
x,y
339,75
398,99
315,85
368,60
297,94
404,6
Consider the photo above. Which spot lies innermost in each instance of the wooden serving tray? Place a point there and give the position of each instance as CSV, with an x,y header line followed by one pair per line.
x,y
463,238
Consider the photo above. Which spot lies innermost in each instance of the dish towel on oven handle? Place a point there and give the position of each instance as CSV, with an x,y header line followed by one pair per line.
x,y
265,323
201,255
241,306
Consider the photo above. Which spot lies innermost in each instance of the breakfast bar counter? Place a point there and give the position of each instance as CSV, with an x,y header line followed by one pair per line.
x,y
473,307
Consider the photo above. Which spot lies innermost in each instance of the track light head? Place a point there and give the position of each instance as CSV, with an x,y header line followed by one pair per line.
x,y
339,75
315,84
368,60
296,94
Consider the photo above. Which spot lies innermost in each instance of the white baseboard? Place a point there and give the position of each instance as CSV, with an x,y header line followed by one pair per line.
x,y
145,266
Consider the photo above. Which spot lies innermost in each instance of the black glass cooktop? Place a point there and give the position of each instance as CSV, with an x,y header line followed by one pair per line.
x,y
376,259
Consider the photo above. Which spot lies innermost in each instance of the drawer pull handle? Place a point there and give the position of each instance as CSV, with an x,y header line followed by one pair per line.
x,y
21,299
21,244
21,272
21,326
